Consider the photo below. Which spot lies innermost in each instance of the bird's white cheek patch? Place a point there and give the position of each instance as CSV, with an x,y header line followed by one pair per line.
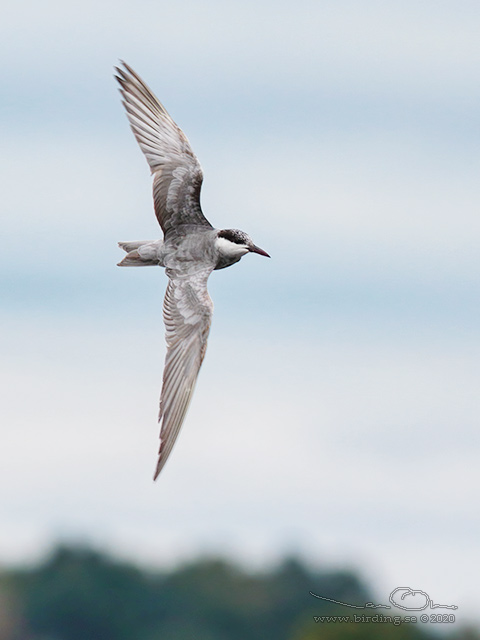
x,y
228,248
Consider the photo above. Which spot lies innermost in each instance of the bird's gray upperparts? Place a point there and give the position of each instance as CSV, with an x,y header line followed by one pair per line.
x,y
190,250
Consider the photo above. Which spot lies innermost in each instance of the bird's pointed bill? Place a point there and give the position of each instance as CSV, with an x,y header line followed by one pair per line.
x,y
261,252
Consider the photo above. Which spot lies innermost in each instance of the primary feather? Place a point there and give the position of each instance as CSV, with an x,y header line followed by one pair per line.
x,y
177,174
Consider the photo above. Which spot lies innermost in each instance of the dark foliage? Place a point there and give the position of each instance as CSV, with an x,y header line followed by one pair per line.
x,y
80,594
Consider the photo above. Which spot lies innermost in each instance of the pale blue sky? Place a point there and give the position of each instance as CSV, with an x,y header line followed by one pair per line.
x,y
344,137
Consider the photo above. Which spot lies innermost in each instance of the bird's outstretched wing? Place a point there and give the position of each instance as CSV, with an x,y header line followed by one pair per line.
x,y
177,174
187,312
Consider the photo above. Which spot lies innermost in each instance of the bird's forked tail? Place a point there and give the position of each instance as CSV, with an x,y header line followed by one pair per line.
x,y
141,253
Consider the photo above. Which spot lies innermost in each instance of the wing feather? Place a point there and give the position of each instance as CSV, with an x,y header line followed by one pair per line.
x,y
187,312
177,174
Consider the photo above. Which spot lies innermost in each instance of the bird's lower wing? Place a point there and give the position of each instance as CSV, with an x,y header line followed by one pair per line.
x,y
187,312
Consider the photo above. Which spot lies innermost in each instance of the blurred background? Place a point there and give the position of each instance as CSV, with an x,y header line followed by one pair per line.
x,y
335,417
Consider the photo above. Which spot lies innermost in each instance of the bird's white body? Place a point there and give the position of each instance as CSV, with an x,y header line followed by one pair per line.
x,y
143,253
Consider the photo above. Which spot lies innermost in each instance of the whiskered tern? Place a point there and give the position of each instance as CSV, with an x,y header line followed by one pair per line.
x,y
190,250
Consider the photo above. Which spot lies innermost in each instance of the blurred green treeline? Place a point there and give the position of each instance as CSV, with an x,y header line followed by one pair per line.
x,y
81,594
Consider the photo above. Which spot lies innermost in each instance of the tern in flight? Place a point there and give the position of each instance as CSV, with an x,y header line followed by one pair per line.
x,y
190,250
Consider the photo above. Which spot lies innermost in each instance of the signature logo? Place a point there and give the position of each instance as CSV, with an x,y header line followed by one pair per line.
x,y
397,598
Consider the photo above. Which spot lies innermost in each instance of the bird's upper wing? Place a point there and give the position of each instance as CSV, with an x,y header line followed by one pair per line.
x,y
177,174
187,312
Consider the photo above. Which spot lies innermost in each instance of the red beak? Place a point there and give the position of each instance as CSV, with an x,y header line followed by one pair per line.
x,y
261,252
